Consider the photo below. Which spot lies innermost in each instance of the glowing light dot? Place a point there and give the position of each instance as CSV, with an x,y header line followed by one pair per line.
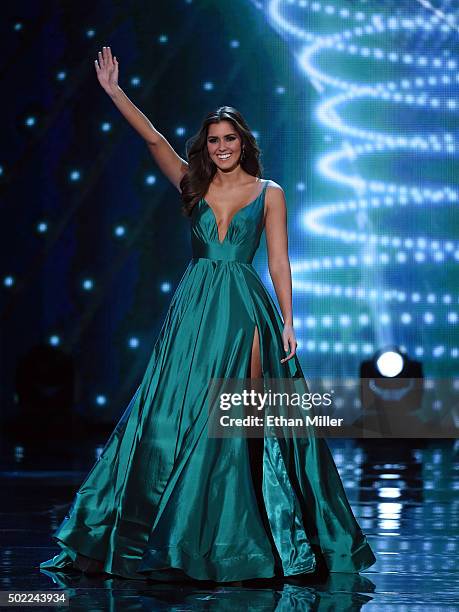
x,y
88,284
428,317
180,131
90,33
150,179
438,351
8,281
120,230
234,44
165,287
135,81
75,175
30,121
208,86
61,75
300,186
101,400
133,342
163,38
106,126
17,26
280,89
42,227
54,340
1,170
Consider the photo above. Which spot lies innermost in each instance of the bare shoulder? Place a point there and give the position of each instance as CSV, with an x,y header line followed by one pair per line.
x,y
275,197
271,183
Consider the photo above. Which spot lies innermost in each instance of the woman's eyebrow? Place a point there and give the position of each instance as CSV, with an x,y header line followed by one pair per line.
x,y
231,134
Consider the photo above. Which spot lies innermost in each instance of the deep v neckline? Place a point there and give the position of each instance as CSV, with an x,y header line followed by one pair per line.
x,y
221,242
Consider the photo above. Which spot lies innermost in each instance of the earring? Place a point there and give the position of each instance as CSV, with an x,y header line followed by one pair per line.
x,y
243,153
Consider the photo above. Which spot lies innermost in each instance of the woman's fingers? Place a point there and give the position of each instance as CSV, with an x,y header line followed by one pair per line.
x,y
108,57
106,67
289,356
293,344
104,58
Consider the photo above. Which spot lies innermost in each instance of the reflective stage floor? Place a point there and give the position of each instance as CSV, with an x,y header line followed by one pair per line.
x,y
404,494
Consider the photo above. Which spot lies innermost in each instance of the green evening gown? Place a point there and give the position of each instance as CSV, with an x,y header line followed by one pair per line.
x,y
165,500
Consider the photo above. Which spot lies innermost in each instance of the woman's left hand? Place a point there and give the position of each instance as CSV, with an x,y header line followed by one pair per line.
x,y
288,337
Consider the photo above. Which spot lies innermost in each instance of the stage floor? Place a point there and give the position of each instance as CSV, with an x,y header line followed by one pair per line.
x,y
404,494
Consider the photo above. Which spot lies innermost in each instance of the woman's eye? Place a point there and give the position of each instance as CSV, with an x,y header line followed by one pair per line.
x,y
214,140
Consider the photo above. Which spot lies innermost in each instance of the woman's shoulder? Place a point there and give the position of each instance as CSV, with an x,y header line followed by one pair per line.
x,y
270,183
274,196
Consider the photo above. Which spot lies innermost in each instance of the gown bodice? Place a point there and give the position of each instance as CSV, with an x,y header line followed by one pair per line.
x,y
242,237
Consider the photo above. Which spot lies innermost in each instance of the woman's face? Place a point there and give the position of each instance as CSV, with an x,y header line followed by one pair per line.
x,y
224,145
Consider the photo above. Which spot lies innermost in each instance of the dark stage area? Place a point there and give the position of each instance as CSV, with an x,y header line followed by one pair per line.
x,y
403,492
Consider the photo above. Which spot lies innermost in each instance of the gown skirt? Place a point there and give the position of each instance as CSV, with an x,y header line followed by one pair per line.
x,y
167,501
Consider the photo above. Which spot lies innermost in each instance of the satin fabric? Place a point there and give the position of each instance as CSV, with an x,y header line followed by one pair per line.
x,y
164,500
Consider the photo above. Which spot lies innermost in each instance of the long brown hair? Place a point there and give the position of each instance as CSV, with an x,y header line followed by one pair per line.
x,y
201,169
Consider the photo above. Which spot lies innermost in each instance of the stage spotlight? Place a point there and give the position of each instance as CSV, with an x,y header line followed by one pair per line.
x,y
391,393
389,363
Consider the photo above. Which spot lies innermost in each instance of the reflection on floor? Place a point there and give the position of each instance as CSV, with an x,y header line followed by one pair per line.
x,y
404,494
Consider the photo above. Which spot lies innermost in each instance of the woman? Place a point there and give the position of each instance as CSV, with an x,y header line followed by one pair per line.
x,y
165,500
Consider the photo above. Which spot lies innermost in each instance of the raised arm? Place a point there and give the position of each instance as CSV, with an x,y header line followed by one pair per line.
x,y
169,162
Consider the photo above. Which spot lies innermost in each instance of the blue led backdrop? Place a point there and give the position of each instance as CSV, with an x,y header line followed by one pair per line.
x,y
354,105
